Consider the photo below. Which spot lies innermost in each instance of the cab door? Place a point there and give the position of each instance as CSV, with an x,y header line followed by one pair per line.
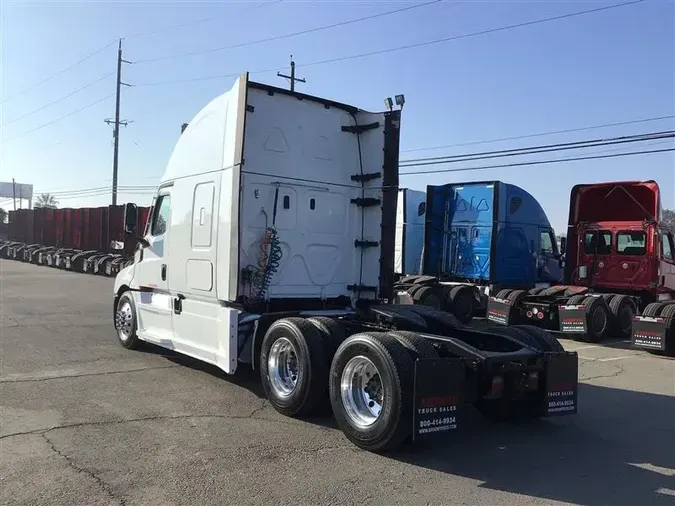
x,y
549,268
153,300
667,261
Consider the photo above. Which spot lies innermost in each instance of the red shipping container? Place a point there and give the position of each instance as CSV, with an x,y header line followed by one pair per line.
x,y
58,228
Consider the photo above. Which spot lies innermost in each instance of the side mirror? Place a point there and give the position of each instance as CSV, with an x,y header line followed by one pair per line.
x,y
130,215
563,245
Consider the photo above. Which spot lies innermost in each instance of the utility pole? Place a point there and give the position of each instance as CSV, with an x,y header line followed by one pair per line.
x,y
116,122
14,192
292,77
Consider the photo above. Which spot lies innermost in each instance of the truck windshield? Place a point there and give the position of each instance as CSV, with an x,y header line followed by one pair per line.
x,y
631,243
598,242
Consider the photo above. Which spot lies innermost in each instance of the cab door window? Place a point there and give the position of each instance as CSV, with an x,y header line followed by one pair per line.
x,y
161,214
598,242
547,243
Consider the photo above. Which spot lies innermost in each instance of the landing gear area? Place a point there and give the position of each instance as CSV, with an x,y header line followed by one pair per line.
x,y
571,310
462,300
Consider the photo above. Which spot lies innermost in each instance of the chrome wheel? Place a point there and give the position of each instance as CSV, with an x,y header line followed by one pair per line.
x,y
124,321
282,365
361,391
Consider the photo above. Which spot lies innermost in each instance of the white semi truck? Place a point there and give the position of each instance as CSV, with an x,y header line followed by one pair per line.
x,y
271,245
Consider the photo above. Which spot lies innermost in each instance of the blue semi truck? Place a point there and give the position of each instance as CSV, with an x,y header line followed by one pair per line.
x,y
458,243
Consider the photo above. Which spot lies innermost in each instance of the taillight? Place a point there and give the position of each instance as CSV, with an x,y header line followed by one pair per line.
x,y
497,386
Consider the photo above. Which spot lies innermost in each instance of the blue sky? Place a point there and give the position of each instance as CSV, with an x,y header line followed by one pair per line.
x,y
607,67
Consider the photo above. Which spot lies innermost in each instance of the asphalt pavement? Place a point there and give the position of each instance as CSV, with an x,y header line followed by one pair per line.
x,y
85,422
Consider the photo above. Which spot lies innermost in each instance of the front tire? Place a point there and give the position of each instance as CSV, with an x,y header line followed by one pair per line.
x,y
126,323
371,391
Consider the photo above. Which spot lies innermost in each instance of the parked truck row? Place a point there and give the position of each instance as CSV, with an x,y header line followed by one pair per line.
x,y
488,246
89,240
279,240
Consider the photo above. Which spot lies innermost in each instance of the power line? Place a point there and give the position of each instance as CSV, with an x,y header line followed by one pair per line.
x,y
547,148
538,162
62,71
412,46
106,193
542,134
84,191
60,118
289,35
60,99
90,55
197,21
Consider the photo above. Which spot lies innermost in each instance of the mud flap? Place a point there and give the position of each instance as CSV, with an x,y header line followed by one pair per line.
x,y
561,383
572,319
499,310
649,333
439,385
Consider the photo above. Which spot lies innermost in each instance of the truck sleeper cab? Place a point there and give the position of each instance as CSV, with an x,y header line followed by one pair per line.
x,y
476,238
270,245
614,269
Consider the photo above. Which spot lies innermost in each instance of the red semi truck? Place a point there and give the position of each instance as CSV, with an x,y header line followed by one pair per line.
x,y
619,263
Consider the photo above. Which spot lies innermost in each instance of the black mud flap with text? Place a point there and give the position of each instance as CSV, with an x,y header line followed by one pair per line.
x,y
572,319
439,385
562,383
649,333
498,310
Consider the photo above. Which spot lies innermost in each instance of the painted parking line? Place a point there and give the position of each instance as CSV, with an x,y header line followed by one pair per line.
x,y
610,359
665,471
609,344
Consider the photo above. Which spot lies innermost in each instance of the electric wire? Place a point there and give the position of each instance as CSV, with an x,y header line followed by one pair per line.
x,y
542,134
59,118
197,21
410,46
90,55
86,191
60,98
290,35
60,72
536,162
416,162
106,193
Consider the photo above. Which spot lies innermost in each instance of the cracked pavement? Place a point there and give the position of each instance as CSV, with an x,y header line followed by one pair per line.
x,y
85,422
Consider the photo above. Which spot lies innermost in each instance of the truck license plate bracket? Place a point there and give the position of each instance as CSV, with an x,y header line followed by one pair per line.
x,y
438,386
562,383
572,319
498,310
649,333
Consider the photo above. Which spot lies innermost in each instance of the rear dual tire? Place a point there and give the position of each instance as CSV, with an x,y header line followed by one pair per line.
x,y
371,390
368,380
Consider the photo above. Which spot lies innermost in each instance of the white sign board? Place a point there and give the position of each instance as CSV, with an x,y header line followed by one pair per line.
x,y
18,190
